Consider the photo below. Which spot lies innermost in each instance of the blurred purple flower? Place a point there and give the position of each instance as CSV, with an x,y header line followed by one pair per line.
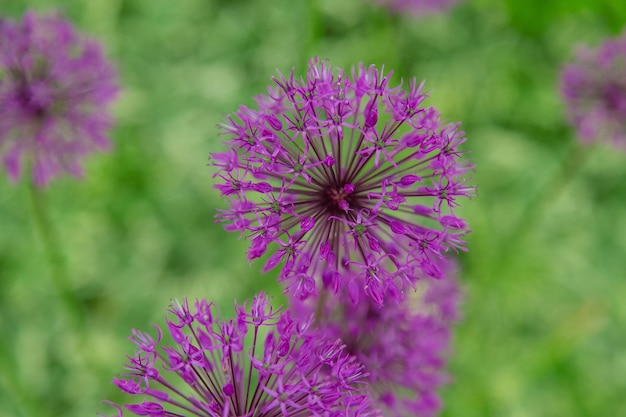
x,y
351,181
55,87
594,90
418,7
403,346
261,363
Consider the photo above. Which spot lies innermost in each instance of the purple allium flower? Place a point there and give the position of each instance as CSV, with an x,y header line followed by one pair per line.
x,y
55,87
594,89
418,7
263,363
403,346
347,178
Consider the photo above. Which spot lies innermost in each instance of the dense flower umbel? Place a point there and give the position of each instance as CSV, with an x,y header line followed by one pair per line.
x,y
402,346
55,86
347,178
418,7
594,89
263,363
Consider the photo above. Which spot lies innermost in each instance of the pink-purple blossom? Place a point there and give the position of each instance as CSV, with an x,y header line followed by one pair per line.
x,y
418,7
55,89
262,363
403,346
594,90
346,181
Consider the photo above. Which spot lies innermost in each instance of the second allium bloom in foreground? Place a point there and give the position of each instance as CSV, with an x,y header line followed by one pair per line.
x,y
55,89
403,346
344,178
263,363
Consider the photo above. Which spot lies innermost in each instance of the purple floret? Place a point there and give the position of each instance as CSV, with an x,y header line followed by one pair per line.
x,y
55,90
594,90
348,182
262,363
403,346
418,7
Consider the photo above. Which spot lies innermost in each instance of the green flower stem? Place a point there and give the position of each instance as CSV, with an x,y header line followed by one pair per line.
x,y
403,43
534,212
12,387
55,256
319,307
314,31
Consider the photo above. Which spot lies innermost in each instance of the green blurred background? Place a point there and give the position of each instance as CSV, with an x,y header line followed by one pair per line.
x,y
544,316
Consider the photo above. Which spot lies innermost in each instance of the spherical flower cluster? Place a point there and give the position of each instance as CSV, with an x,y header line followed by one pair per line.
x,y
55,86
402,346
263,363
347,179
418,7
594,90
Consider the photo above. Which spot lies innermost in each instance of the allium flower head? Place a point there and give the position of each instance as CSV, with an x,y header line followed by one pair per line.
x,y
418,7
55,86
402,346
263,363
344,178
594,90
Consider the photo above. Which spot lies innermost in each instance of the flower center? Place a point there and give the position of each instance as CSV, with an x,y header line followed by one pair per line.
x,y
338,200
35,98
614,96
28,102
336,195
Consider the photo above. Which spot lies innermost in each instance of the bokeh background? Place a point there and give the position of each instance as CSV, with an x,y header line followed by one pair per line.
x,y
544,329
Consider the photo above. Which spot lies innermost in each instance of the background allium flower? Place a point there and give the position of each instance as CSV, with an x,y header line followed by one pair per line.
x,y
594,89
55,87
418,7
349,179
402,346
263,363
